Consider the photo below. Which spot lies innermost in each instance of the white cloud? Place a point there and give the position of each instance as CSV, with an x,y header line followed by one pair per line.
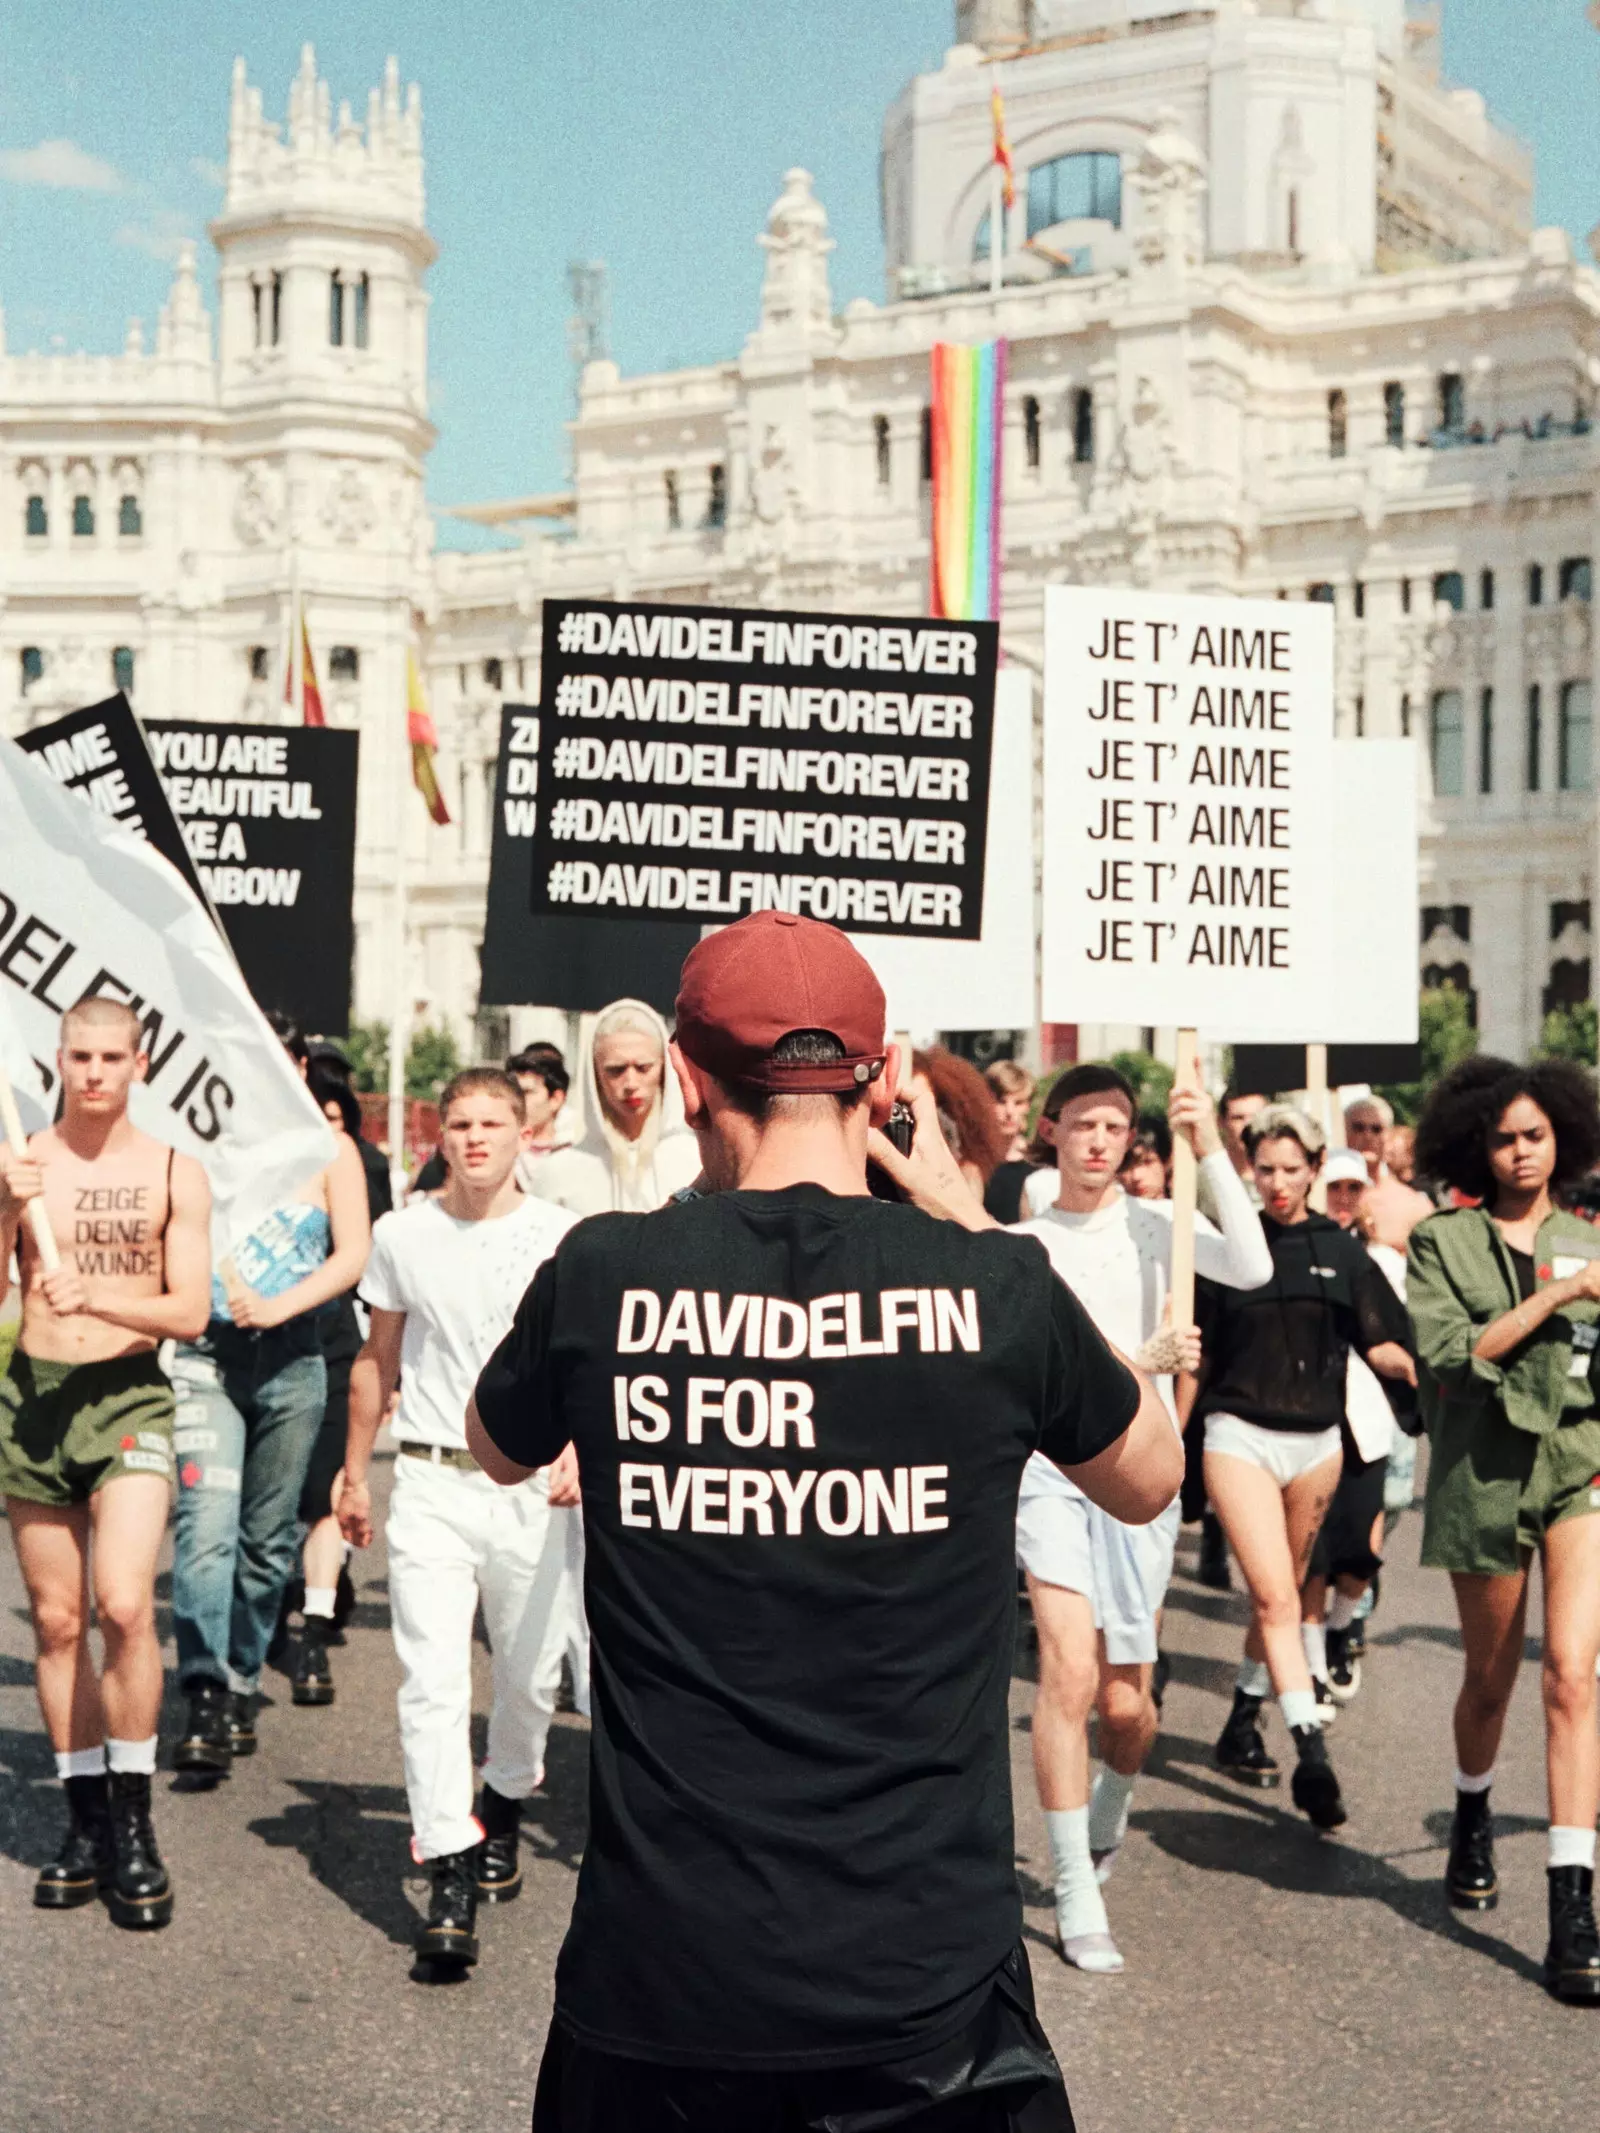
x,y
63,166
210,173
159,235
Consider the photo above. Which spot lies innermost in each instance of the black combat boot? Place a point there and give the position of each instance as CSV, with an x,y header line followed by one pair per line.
x,y
241,1722
450,1936
1314,1788
139,1892
82,1867
204,1747
310,1675
1470,1881
499,1868
1572,1961
1241,1752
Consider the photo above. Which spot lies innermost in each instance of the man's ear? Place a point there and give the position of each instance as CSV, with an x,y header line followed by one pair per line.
x,y
885,1089
694,1102
557,1098
141,1066
1046,1130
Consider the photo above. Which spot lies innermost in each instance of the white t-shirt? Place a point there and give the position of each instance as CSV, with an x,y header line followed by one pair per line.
x,y
459,1284
1118,1263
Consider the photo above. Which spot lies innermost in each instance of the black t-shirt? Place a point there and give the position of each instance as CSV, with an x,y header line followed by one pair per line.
x,y
1276,1356
1523,1267
801,1421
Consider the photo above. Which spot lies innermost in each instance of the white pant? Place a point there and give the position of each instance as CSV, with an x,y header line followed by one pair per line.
x,y
569,1630
1285,1454
453,1537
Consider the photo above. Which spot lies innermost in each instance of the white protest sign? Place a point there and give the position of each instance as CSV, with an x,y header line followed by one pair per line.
x,y
987,983
18,1066
87,906
1188,769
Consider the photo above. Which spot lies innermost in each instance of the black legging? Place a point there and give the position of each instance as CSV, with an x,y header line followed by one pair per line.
x,y
341,1344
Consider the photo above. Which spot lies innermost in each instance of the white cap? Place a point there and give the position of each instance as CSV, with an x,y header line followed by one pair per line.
x,y
1345,1167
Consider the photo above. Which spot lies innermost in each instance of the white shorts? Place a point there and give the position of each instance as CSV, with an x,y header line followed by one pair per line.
x,y
1122,1571
1285,1454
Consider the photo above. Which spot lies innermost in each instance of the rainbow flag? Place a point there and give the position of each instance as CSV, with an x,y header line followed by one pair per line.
x,y
310,694
1002,146
424,740
968,412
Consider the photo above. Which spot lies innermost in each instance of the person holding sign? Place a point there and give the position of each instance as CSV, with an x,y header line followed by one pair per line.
x,y
1097,1586
634,1152
1505,1298
86,1427
445,1276
1272,1401
801,1415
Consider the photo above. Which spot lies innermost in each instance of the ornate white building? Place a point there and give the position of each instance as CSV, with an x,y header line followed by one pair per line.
x,y
1279,324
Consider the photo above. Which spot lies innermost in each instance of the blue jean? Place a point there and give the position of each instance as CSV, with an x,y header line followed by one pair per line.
x,y
249,1406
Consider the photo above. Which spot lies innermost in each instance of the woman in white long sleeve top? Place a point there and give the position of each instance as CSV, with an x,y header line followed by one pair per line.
x,y
1097,1586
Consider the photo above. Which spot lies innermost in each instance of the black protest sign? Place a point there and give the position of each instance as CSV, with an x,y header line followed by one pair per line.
x,y
581,964
269,817
100,752
701,763
1262,1069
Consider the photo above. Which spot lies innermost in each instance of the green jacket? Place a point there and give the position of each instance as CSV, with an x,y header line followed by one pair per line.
x,y
1459,1278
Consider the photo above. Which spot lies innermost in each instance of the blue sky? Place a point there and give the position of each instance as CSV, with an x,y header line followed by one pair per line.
x,y
651,134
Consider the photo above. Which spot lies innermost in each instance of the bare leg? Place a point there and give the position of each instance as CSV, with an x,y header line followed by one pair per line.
x,y
1314,1599
1493,1613
1571,1644
1270,1530
129,1517
323,1557
1128,1717
1069,1672
53,1554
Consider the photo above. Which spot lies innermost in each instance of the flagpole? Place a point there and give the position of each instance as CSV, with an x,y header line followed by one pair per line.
x,y
400,1005
297,663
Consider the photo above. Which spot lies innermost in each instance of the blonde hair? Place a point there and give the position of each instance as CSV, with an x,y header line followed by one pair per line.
x,y
1286,1122
1374,1103
1006,1078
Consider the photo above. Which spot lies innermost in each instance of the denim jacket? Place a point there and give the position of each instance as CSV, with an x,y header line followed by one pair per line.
x,y
1459,1278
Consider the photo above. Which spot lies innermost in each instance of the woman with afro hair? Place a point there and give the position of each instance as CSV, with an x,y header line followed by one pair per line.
x,y
1505,1299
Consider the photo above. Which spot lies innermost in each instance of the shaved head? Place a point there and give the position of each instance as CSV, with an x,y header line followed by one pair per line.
x,y
100,1011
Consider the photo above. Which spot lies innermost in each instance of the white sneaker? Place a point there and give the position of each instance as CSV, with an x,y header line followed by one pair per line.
x,y
1096,1952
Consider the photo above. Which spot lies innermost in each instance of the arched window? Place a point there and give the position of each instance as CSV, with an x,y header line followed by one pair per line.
x,y
31,662
1032,436
36,521
130,519
980,240
1078,188
347,309
83,517
880,446
122,668
266,308
1572,765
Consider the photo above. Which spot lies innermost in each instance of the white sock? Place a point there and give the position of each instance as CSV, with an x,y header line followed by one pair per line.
x,y
1478,1784
1342,1610
1299,1707
319,1601
1253,1678
1571,1847
1315,1639
1080,1908
80,1762
1108,1810
135,1757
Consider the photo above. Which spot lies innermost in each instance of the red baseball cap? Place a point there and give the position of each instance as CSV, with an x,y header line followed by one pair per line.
x,y
745,989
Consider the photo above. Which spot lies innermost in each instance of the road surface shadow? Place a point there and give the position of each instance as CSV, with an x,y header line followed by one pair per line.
x,y
31,1811
1277,1848
356,1841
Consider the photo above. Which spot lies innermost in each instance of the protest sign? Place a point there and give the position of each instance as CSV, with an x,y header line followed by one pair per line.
x,y
987,983
88,906
259,820
578,963
100,753
269,817
1187,778
699,763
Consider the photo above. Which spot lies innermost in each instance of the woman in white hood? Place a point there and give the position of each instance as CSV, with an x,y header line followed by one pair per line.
x,y
636,1151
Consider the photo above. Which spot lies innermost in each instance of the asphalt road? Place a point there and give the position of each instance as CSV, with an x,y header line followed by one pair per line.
x,y
1276,1981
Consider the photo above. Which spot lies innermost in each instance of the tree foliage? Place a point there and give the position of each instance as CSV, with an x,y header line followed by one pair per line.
x,y
431,1059
1444,1017
367,1049
1571,1033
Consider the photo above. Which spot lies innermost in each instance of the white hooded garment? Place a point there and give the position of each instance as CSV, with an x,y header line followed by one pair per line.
x,y
605,1171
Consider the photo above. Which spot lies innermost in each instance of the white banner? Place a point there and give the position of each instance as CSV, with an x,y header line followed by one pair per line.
x,y
987,983
1188,768
88,907
16,1063
1372,996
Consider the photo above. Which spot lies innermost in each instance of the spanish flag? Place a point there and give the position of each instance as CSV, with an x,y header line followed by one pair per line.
x,y
310,694
1002,145
424,742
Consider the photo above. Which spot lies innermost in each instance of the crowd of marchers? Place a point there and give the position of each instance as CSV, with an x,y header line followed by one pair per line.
x,y
1354,1298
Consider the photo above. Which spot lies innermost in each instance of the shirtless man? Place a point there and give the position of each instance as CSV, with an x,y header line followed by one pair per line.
x,y
1394,1209
86,1442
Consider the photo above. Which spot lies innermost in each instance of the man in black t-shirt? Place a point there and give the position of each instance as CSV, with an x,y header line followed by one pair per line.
x,y
801,1414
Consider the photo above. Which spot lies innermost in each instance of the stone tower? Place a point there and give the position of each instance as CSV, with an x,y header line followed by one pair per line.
x,y
995,25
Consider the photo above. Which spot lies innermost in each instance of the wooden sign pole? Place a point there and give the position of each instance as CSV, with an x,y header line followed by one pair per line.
x,y
44,1242
1317,1104
1184,1180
